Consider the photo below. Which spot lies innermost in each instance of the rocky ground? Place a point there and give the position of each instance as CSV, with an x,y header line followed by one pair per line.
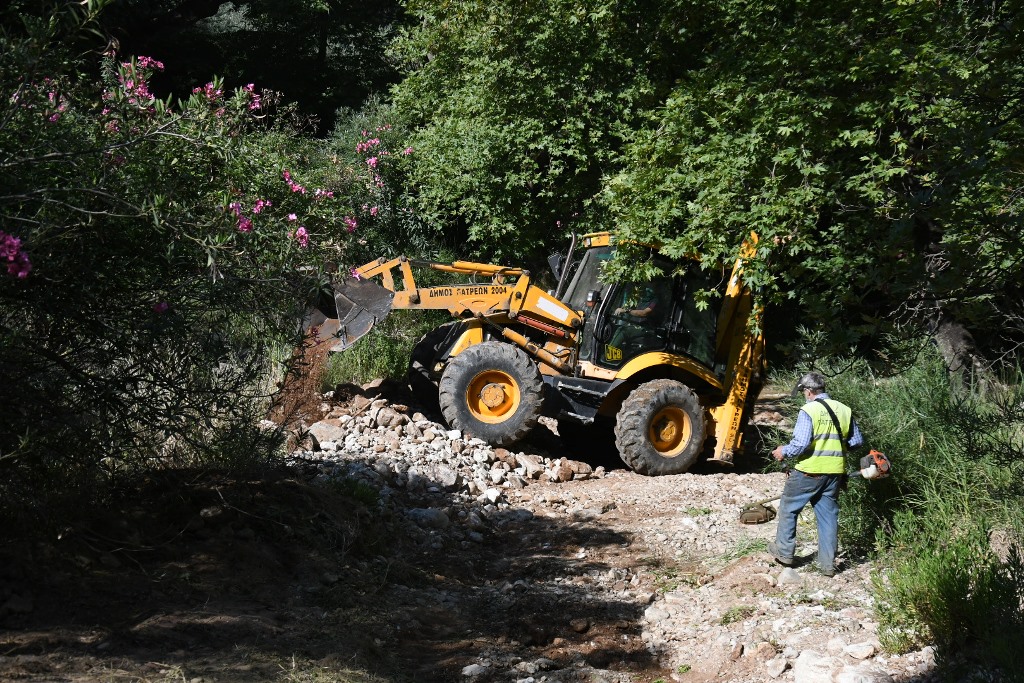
x,y
392,548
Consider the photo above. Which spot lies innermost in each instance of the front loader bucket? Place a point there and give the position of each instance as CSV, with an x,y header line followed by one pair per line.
x,y
359,304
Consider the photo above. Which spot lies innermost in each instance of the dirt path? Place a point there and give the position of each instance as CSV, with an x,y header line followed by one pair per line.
x,y
394,549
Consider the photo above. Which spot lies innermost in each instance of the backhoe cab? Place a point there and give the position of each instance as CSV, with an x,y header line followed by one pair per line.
x,y
677,380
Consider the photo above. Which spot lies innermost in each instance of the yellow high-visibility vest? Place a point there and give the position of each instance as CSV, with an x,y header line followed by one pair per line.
x,y
826,454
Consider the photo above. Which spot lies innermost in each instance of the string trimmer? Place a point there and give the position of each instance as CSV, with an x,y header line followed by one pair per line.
x,y
874,465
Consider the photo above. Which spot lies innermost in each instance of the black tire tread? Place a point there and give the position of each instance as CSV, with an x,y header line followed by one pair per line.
x,y
631,436
422,383
465,366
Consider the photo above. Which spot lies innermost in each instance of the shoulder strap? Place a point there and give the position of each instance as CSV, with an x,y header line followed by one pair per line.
x,y
835,421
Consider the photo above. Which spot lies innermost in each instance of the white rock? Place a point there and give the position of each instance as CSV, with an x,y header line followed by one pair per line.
x,y
776,666
812,667
862,674
474,670
790,576
860,650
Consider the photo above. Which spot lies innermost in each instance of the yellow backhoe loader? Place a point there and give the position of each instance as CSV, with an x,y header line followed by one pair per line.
x,y
678,380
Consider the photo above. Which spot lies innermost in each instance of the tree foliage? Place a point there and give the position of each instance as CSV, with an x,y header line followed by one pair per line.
x,y
875,147
518,109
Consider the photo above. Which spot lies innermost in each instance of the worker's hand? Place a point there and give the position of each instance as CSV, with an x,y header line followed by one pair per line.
x,y
619,310
777,454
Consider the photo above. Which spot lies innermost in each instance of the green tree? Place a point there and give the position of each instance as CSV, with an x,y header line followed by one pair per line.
x,y
518,109
876,149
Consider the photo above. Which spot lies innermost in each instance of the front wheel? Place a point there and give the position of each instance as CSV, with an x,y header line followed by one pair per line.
x,y
492,391
660,428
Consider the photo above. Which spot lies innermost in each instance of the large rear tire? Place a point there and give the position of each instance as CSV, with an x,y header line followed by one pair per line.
x,y
660,428
492,391
423,374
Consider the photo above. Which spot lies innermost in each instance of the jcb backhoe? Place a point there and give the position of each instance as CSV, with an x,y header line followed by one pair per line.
x,y
678,380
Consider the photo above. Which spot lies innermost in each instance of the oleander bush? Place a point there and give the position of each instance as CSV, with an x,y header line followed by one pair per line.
x,y
159,255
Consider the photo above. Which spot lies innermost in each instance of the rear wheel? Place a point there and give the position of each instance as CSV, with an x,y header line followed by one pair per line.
x,y
492,391
660,428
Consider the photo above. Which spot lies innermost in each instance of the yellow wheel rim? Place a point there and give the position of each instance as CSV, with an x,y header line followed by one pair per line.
x,y
493,396
670,431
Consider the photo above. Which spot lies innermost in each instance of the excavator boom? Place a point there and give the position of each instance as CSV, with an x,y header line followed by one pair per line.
x,y
506,294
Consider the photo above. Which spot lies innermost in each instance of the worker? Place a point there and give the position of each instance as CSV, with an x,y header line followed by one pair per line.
x,y
819,472
633,323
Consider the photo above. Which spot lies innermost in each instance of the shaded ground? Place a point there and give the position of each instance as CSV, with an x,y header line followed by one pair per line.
x,y
195,578
286,578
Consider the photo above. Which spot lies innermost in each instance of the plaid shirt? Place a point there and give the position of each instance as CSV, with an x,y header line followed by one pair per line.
x,y
804,430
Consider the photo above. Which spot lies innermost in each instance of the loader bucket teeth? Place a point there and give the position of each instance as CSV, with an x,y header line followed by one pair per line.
x,y
360,305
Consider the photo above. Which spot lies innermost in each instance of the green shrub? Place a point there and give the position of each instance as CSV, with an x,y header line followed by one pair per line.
x,y
384,352
958,467
164,254
942,582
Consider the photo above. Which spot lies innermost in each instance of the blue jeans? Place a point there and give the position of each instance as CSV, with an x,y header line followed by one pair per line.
x,y
822,492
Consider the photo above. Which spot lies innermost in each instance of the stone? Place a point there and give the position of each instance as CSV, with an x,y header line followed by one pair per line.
x,y
327,430
776,666
765,651
862,674
532,465
429,518
859,650
580,470
789,576
579,625
474,670
812,667
655,614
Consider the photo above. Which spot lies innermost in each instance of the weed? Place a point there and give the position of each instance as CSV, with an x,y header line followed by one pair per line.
x,y
683,668
737,613
744,547
697,512
384,352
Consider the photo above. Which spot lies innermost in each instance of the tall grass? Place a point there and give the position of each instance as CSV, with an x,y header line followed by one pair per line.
x,y
947,526
384,352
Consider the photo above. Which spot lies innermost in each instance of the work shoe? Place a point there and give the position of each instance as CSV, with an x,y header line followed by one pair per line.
x,y
773,550
827,571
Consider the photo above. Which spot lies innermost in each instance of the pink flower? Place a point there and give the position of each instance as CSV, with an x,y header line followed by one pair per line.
x,y
161,307
292,217
150,63
260,205
350,223
244,224
372,162
11,253
407,151
355,273
374,210
235,208
302,237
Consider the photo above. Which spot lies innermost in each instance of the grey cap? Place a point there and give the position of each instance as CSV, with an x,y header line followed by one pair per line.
x,y
814,381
